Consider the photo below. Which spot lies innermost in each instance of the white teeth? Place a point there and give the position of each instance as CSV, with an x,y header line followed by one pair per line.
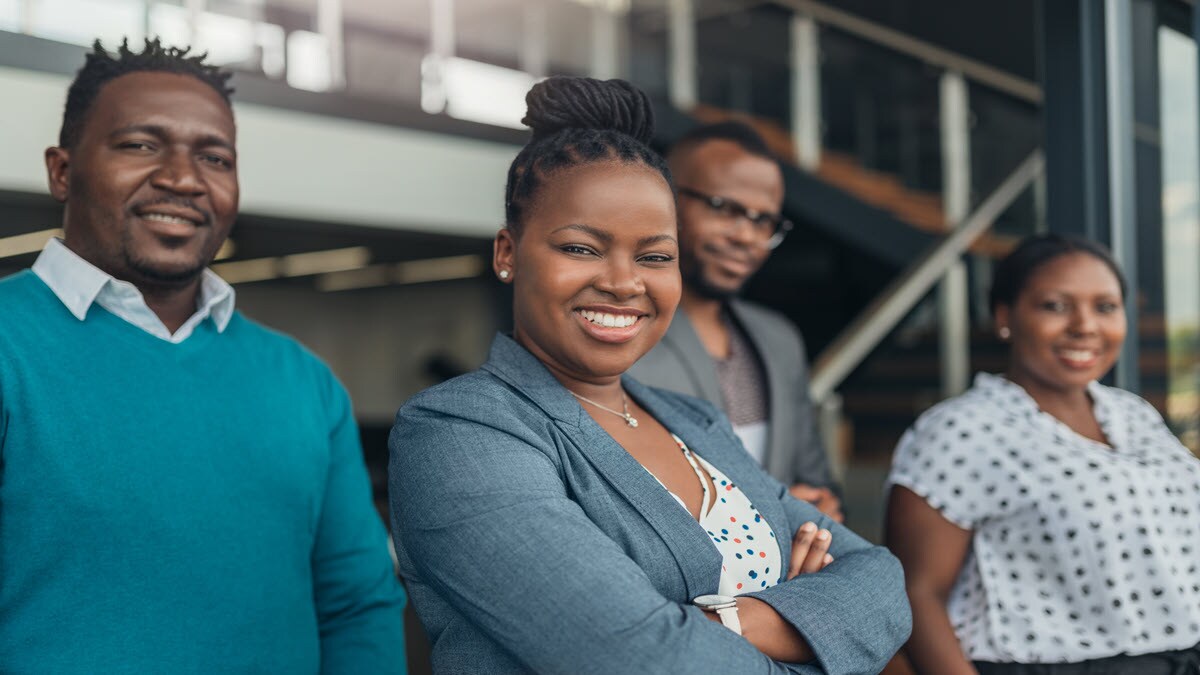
x,y
162,217
609,320
1078,355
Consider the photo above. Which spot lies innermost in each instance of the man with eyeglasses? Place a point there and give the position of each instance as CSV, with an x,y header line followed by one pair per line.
x,y
745,358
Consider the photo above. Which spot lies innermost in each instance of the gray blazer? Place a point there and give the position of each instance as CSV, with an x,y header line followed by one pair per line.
x,y
795,453
531,541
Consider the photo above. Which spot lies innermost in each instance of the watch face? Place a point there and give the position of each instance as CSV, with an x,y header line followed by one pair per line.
x,y
714,601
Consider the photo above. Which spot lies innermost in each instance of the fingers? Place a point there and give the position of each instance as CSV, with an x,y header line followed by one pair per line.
x,y
800,546
817,552
810,549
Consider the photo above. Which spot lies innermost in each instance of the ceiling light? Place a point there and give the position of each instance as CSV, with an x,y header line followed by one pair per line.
x,y
474,91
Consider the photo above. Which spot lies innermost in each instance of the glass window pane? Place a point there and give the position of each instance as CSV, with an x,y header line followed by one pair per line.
x,y
1181,230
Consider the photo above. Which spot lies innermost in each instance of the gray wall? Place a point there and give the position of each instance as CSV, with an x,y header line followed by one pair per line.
x,y
379,341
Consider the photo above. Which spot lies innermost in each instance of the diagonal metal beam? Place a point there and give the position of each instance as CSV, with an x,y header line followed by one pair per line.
x,y
874,323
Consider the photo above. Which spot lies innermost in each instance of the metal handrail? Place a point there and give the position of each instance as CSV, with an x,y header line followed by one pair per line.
x,y
873,324
995,78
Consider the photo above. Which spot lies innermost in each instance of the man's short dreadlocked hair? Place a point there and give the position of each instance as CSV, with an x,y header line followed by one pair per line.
x,y
579,120
100,68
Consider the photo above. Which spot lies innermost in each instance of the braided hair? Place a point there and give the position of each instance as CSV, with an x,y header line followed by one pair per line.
x,y
101,67
578,120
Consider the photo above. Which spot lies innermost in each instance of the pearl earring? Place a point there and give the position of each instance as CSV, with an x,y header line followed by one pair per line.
x,y
504,275
1005,333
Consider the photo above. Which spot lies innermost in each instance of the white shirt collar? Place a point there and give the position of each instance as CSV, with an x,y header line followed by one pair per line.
x,y
80,284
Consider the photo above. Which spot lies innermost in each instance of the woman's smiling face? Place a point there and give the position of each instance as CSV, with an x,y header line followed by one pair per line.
x,y
1067,323
594,269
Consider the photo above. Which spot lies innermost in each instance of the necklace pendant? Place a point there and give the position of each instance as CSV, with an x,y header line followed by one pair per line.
x,y
631,420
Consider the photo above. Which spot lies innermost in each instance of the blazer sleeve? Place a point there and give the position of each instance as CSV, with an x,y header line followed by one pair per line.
x,y
482,512
854,613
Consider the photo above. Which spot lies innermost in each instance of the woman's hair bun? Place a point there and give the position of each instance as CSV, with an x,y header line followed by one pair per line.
x,y
560,102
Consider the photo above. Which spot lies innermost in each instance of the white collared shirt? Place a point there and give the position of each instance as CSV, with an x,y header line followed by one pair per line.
x,y
79,284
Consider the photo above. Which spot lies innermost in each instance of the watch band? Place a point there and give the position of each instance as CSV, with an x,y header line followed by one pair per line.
x,y
729,617
724,606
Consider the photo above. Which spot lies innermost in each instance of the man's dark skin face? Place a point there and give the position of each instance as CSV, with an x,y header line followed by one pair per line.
x,y
150,188
717,256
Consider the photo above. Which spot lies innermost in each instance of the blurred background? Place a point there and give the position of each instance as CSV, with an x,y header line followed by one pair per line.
x,y
920,138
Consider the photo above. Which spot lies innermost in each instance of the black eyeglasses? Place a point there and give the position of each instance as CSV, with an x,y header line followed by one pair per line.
x,y
771,227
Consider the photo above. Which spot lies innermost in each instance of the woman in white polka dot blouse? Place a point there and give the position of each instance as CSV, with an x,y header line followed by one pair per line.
x,y
1048,523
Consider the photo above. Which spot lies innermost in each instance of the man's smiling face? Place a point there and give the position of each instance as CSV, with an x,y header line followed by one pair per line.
x,y
151,187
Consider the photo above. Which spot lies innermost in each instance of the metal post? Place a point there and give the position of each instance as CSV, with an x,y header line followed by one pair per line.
x,y
1071,40
953,296
681,38
441,28
954,331
25,20
329,25
534,59
1040,225
956,146
605,53
806,92
195,10
830,426
1122,193
441,47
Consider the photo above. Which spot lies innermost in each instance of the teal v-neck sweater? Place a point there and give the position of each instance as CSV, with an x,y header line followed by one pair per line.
x,y
199,507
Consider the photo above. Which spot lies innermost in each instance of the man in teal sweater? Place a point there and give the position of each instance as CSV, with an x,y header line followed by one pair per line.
x,y
181,489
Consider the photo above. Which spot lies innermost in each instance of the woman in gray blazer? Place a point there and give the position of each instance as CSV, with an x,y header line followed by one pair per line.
x,y
553,516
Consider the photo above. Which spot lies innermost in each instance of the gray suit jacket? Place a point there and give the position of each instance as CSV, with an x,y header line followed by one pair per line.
x,y
795,453
531,541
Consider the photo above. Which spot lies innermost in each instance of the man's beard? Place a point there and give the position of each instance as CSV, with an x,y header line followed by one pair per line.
x,y
156,274
695,279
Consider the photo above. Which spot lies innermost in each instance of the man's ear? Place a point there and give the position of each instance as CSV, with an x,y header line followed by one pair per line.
x,y
58,161
504,254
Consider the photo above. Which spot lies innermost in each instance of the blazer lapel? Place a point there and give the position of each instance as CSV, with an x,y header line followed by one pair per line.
x,y
698,560
777,455
709,439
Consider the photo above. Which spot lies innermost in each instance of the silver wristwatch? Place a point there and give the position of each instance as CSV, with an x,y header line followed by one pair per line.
x,y
724,606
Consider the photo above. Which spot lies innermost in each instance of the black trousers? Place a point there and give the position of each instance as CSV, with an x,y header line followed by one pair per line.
x,y
1185,662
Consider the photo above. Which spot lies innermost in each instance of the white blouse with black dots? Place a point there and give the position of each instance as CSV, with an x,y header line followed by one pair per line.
x,y
1079,550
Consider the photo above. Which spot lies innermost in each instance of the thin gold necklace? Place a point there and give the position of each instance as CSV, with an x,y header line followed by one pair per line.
x,y
629,419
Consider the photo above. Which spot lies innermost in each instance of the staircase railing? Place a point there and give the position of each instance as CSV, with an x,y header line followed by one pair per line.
x,y
878,319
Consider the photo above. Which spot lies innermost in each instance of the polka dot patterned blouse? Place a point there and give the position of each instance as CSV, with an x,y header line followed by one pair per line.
x,y
1079,550
751,560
